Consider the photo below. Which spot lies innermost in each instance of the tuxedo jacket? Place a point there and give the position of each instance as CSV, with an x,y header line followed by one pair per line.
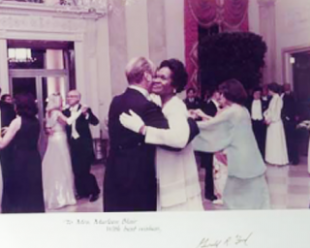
x,y
265,101
130,178
289,110
82,127
7,113
264,106
131,163
196,104
209,108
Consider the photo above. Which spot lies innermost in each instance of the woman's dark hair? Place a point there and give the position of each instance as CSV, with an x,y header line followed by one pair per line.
x,y
255,89
190,90
26,105
179,73
233,91
274,87
4,96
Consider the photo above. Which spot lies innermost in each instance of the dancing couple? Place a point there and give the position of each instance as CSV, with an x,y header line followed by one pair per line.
x,y
151,165
69,153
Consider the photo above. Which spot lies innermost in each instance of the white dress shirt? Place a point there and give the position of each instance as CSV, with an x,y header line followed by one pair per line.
x,y
74,133
256,110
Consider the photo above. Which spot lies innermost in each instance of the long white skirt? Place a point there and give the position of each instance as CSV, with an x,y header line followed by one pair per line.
x,y
58,184
276,150
249,193
192,204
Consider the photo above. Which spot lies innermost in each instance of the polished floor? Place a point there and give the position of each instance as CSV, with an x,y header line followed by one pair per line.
x,y
289,188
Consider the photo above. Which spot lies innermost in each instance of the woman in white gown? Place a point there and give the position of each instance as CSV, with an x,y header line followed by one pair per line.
x,y
177,173
276,150
58,182
231,130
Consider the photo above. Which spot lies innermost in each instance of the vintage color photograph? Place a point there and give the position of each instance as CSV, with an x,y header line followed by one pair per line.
x,y
154,105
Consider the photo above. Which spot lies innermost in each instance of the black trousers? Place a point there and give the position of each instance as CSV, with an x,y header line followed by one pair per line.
x,y
260,129
291,135
207,163
85,182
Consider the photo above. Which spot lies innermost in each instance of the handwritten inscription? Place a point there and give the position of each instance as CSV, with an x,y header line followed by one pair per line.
x,y
232,241
116,225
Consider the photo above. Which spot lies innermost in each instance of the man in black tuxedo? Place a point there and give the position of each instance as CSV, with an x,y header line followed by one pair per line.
x,y
290,118
210,107
81,147
130,177
265,97
192,101
256,107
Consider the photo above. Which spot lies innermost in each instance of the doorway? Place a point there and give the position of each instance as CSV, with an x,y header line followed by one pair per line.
x,y
41,69
41,84
296,65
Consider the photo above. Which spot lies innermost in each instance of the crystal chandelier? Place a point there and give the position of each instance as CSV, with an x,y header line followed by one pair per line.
x,y
20,55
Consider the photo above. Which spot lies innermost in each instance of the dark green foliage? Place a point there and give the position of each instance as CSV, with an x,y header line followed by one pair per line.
x,y
231,55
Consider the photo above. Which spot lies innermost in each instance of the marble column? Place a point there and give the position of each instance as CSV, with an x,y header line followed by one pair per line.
x,y
267,27
104,83
157,31
118,46
4,70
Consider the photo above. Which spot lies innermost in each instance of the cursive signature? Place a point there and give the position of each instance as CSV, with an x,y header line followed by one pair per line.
x,y
204,243
237,240
242,240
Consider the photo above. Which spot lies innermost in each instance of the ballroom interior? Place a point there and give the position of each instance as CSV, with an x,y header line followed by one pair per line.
x,y
49,46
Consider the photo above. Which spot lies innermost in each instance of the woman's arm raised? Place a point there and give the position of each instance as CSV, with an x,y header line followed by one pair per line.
x,y
69,120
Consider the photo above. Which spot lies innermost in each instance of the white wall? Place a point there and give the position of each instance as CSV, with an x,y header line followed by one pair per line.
x,y
140,28
253,16
174,15
104,92
137,29
292,27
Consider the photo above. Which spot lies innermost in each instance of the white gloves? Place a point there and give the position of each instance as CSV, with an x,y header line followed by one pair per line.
x,y
132,121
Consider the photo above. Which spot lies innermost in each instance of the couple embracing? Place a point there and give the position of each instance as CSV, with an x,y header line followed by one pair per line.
x,y
151,164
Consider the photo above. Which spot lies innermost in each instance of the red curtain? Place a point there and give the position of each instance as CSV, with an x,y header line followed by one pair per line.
x,y
235,15
230,15
191,43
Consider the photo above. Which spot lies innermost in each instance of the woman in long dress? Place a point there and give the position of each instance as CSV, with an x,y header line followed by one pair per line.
x,y
231,130
58,182
276,149
23,192
179,188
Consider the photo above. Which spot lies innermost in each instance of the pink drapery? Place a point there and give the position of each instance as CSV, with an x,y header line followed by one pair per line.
x,y
230,15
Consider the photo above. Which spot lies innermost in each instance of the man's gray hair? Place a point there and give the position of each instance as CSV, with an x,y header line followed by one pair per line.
x,y
136,68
